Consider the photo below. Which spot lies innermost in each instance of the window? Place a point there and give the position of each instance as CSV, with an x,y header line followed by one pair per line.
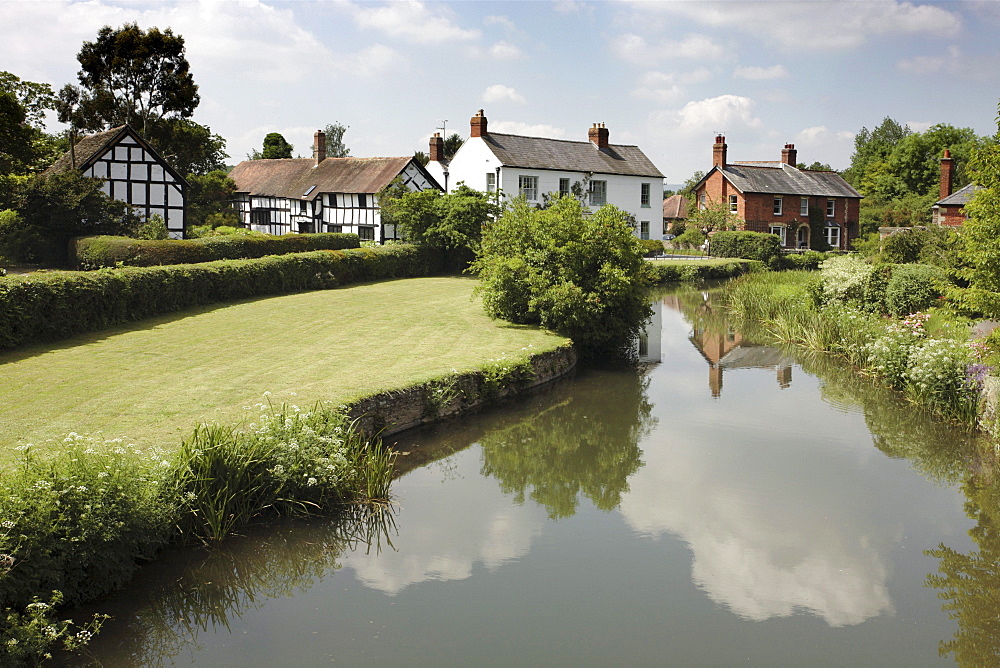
x,y
701,202
527,186
777,206
491,182
366,233
333,201
363,202
803,206
833,236
644,195
598,193
733,203
831,207
302,206
780,231
644,229
335,228
564,187
260,217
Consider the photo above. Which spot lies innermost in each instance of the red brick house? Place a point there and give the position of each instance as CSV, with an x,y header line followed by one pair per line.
x,y
950,209
779,198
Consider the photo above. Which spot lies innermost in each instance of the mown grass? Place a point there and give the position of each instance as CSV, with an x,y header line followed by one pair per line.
x,y
152,383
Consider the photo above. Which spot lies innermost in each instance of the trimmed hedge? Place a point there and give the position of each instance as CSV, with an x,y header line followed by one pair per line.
x,y
105,251
747,245
676,271
48,307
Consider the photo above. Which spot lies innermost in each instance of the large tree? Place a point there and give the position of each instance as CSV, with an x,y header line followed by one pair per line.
x,y
34,100
335,146
130,75
275,146
16,147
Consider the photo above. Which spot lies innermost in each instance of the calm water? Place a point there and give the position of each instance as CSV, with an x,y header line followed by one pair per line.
x,y
727,505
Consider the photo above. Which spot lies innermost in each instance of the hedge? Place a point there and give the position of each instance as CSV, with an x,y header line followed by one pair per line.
x,y
48,307
675,271
747,245
105,251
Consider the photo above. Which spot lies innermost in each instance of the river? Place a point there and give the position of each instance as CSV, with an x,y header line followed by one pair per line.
x,y
728,503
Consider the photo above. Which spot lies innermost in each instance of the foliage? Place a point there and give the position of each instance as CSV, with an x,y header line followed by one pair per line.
x,y
17,150
154,228
421,157
581,276
54,306
844,277
872,147
651,247
449,221
676,271
275,147
981,233
691,237
208,194
912,288
58,207
452,143
335,146
188,147
106,251
18,242
34,98
129,75
27,638
817,229
714,216
747,245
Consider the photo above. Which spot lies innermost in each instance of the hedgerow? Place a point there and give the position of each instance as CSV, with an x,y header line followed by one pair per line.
x,y
47,307
747,245
676,271
107,251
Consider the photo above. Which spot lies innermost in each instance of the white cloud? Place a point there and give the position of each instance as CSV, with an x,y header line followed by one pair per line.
x,y
844,24
667,88
719,113
500,21
527,129
501,93
634,48
948,62
412,21
572,7
505,51
754,73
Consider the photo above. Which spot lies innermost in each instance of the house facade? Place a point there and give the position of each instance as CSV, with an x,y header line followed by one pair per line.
x,y
538,168
131,171
320,194
778,198
950,209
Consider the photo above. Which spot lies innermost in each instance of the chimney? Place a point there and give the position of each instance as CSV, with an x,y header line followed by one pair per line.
x,y
719,151
598,134
319,146
437,148
789,155
478,124
947,174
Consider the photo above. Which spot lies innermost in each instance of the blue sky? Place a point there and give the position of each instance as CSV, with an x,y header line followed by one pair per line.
x,y
663,75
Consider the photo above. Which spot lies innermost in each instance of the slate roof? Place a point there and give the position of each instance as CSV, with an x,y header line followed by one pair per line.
x,y
294,177
959,197
675,206
781,179
570,156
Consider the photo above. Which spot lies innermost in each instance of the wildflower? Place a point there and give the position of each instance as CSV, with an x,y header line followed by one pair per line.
x,y
310,482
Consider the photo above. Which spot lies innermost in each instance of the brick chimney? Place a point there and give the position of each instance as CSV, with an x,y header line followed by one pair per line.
x,y
437,148
478,125
719,151
598,134
319,146
947,174
789,155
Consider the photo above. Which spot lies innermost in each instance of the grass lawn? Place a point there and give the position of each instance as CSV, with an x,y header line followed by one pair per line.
x,y
152,382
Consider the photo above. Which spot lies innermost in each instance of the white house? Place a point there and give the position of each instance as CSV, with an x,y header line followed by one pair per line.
x,y
321,194
534,167
131,171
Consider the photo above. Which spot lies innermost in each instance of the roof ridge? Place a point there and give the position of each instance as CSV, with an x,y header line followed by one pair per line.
x,y
568,141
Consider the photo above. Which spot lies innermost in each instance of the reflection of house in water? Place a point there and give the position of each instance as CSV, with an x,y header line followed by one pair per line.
x,y
725,348
649,345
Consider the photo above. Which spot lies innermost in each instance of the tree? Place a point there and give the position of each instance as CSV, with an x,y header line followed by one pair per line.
x,y
335,146
189,147
35,98
17,151
421,157
714,216
873,146
208,194
275,147
130,76
452,143
916,158
449,221
581,276
816,167
982,229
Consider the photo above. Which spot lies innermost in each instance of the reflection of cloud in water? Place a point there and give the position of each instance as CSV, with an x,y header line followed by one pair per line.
x,y
443,535
766,537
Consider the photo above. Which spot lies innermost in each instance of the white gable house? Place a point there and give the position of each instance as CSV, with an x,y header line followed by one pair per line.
x,y
321,194
534,167
131,171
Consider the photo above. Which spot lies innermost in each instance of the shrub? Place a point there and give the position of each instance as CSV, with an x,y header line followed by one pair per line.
x,y
844,277
53,306
937,376
873,288
105,251
677,271
153,227
912,288
651,247
810,260
690,238
748,245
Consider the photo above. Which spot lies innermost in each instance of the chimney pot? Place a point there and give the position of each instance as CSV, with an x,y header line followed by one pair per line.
x,y
478,125
598,135
719,151
789,155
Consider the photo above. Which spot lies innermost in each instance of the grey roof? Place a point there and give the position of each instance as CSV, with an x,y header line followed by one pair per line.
x,y
781,179
570,156
755,357
959,197
301,178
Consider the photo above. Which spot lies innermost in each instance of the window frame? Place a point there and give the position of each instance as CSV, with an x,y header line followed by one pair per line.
x,y
831,208
734,204
644,229
803,206
527,186
778,205
644,195
827,236
491,182
564,192
597,193
779,230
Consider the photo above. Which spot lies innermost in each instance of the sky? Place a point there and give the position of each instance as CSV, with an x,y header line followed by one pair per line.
x,y
666,76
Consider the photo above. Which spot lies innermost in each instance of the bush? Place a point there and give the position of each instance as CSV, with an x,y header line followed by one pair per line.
x,y
676,271
747,245
809,261
47,307
651,247
152,228
104,251
690,238
913,287
844,277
